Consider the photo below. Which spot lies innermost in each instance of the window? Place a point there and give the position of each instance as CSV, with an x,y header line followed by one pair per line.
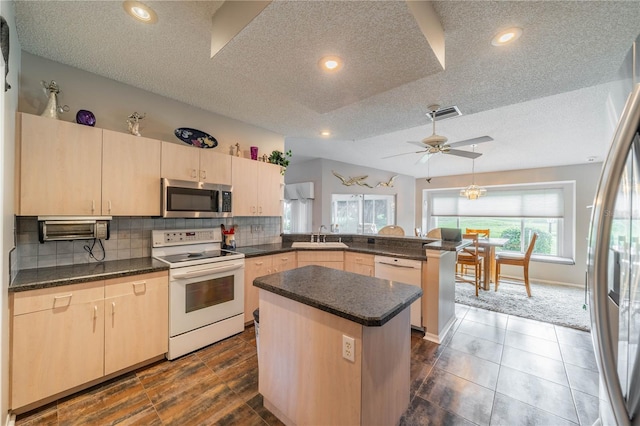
x,y
298,208
512,212
362,214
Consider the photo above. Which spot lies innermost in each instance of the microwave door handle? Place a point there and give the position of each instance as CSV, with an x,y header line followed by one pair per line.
x,y
208,271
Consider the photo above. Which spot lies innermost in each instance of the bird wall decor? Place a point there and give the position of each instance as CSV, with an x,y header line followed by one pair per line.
x,y
357,180
388,184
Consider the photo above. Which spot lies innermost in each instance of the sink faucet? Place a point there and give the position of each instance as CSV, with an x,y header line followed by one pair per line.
x,y
320,230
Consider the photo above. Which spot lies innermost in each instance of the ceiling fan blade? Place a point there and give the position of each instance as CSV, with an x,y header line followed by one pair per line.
x,y
427,155
404,153
461,153
472,141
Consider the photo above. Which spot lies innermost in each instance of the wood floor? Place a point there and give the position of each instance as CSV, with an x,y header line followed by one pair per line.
x,y
493,369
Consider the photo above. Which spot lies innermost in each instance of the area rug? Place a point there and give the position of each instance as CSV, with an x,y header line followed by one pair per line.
x,y
555,304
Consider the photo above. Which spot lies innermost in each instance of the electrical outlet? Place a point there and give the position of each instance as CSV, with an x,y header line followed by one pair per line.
x,y
348,348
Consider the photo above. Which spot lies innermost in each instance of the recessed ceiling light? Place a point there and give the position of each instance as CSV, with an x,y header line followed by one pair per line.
x,y
507,36
330,63
591,159
325,133
140,12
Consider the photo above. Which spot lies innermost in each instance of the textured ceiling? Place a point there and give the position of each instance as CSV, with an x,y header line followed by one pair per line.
x,y
268,74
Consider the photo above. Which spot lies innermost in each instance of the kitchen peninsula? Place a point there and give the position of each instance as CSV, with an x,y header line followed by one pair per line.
x,y
334,346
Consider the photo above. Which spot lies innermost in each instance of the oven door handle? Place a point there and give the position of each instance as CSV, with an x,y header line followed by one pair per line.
x,y
208,271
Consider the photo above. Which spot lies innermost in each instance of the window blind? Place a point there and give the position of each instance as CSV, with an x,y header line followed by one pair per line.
x,y
546,202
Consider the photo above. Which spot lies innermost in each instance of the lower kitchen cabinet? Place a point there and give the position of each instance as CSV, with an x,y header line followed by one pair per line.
x,y
359,263
258,266
67,336
135,328
330,259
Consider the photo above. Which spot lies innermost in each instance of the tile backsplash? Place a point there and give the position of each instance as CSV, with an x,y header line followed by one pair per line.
x,y
131,238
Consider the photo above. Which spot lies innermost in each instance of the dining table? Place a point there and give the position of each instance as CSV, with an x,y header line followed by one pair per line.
x,y
489,258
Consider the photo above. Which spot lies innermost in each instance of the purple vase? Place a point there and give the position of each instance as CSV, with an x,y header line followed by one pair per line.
x,y
254,152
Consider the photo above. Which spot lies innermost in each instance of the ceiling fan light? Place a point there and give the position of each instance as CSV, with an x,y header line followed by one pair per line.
x,y
473,192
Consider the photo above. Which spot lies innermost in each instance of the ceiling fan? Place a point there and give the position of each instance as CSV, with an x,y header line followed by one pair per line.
x,y
435,143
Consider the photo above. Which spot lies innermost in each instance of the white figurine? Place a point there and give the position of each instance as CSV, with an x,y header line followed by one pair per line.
x,y
134,122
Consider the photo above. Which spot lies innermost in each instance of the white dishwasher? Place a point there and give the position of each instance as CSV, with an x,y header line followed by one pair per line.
x,y
403,271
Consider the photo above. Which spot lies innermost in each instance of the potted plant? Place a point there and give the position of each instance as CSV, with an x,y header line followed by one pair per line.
x,y
281,159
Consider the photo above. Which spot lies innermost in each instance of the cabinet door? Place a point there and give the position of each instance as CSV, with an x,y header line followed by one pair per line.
x,y
359,263
180,162
56,348
245,192
270,190
215,167
284,262
60,167
254,267
136,320
130,175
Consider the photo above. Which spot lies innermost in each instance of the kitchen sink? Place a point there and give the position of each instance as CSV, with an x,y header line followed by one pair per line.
x,y
329,245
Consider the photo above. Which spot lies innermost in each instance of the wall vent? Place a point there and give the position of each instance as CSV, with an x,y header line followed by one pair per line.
x,y
444,113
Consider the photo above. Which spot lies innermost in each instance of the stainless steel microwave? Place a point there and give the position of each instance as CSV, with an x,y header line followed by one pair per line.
x,y
181,198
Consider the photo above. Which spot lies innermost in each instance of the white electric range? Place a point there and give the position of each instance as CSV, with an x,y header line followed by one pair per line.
x,y
206,287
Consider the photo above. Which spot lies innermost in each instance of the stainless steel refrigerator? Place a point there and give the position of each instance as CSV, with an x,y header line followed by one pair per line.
x,y
613,271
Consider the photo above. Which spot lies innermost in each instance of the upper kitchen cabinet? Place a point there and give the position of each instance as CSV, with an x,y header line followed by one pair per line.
x,y
257,188
58,167
195,164
130,175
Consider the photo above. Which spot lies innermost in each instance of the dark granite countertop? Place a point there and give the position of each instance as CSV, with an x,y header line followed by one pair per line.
x,y
447,245
358,298
402,252
32,279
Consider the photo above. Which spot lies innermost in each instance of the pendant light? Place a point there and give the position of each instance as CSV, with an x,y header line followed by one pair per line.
x,y
473,191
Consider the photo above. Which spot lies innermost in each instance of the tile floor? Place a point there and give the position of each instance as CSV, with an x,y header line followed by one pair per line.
x,y
493,369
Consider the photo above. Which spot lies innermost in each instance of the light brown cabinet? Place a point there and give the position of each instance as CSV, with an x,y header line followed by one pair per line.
x,y
130,175
195,164
136,324
254,267
65,337
257,188
330,259
58,167
284,261
359,263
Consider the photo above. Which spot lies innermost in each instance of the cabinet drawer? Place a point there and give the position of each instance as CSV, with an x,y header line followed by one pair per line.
x,y
136,284
320,256
57,297
359,258
284,262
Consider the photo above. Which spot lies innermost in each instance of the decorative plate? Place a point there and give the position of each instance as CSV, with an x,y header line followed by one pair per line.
x,y
85,117
195,137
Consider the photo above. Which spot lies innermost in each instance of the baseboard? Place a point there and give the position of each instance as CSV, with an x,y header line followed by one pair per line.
x,y
539,281
11,419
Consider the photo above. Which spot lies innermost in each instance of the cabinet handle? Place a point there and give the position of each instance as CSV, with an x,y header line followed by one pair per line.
x,y
284,259
95,312
136,285
275,269
109,202
113,308
260,210
93,206
194,174
63,297
203,174
253,209
259,263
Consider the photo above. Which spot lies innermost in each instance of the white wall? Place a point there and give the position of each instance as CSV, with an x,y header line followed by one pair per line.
x,y
319,171
8,106
586,177
112,102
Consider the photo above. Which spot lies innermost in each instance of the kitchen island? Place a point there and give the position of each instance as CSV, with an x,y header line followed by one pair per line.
x,y
312,319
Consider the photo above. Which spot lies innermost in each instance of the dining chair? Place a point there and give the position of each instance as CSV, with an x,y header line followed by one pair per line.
x,y
434,233
517,259
391,230
471,256
482,233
